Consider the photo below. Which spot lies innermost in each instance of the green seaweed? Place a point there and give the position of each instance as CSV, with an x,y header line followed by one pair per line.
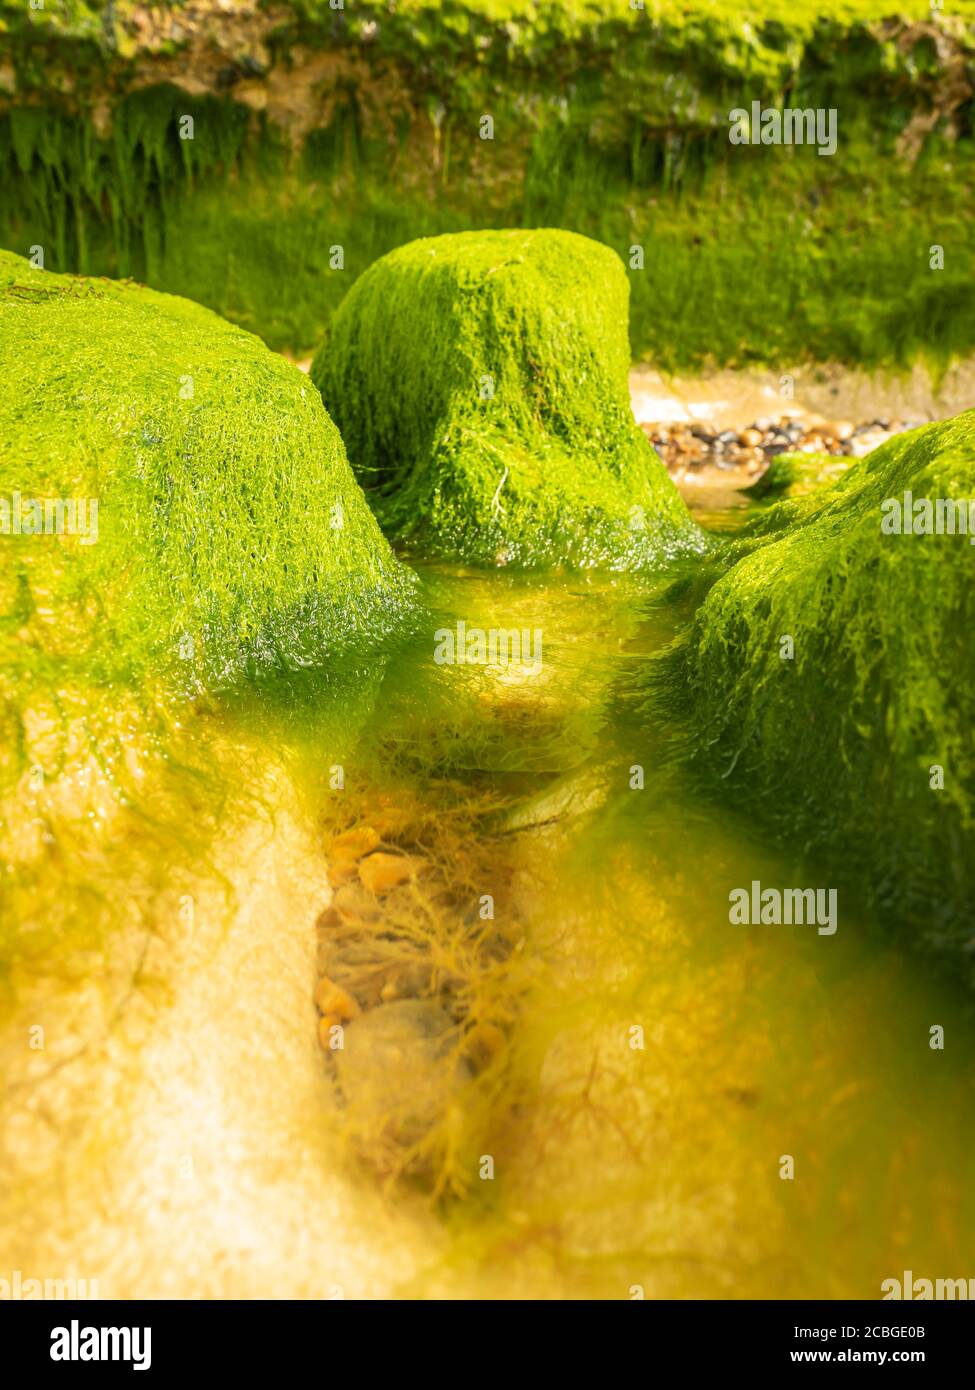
x,y
480,381
230,540
793,475
856,746
231,535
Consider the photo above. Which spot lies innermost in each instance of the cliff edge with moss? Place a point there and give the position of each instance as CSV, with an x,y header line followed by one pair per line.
x,y
319,138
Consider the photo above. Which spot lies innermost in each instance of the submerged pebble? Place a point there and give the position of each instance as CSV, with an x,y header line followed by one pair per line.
x,y
332,999
380,872
353,844
400,1065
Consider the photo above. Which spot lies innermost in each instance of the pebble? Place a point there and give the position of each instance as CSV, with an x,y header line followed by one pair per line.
x,y
484,1043
399,1069
380,872
866,442
333,1000
351,906
328,917
353,844
694,445
340,871
375,969
325,1025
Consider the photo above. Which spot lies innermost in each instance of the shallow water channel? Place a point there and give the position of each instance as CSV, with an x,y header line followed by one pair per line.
x,y
652,1064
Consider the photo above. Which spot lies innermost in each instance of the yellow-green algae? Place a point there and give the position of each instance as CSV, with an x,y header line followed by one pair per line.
x,y
793,475
232,539
826,685
231,534
480,383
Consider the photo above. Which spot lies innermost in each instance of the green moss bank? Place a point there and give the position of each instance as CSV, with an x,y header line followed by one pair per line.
x,y
827,684
363,128
480,383
218,527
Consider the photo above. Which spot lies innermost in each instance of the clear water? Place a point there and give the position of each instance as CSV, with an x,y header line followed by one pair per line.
x,y
660,1167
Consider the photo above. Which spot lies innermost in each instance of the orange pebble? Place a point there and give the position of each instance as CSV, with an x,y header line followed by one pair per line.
x,y
333,999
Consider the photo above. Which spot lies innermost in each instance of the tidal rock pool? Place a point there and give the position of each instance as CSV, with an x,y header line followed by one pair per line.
x,y
486,795
452,999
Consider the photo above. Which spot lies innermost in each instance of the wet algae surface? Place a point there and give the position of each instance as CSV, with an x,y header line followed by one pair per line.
x,y
826,683
210,493
480,384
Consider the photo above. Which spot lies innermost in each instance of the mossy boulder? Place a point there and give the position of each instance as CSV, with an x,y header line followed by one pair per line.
x,y
480,383
828,682
231,534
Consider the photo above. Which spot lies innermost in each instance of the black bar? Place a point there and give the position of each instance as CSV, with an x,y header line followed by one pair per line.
x,y
325,1339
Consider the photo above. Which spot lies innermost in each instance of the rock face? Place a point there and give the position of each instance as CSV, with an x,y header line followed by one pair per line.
x,y
229,533
480,383
853,739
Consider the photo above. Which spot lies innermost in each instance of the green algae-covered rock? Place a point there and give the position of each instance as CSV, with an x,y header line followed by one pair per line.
x,y
217,525
480,383
828,679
